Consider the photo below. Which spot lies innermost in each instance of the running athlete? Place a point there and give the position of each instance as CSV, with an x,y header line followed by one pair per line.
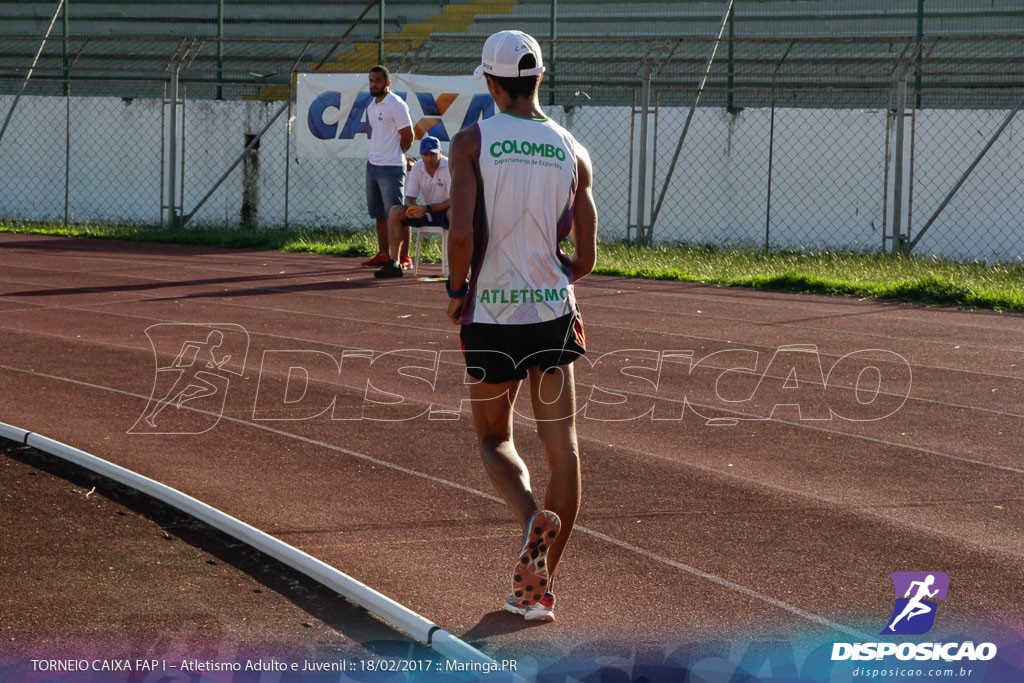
x,y
521,185
916,605
192,352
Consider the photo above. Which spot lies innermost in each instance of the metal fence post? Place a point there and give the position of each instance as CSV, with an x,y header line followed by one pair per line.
x,y
899,152
163,153
181,143
551,57
67,149
380,32
287,159
220,48
629,175
887,155
64,50
172,151
910,177
917,58
641,182
771,151
730,102
771,167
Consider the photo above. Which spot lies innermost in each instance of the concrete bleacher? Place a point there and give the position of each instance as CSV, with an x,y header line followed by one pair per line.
x,y
604,42
303,19
842,43
760,18
149,33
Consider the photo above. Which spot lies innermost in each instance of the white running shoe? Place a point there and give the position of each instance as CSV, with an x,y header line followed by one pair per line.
x,y
542,610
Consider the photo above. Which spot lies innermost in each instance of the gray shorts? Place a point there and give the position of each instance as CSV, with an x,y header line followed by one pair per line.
x,y
385,187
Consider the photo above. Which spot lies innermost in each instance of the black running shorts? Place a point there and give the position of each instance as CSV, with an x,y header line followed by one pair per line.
x,y
438,219
501,353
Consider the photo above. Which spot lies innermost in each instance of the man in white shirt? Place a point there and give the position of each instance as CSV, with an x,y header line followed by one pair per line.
x,y
390,138
431,180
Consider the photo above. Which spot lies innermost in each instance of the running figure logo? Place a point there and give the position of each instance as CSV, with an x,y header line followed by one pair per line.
x,y
914,612
189,392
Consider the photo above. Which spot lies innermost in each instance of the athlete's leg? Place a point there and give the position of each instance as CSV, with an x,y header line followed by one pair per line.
x,y
376,206
492,417
395,232
164,402
918,611
554,406
906,610
189,393
392,189
406,237
382,235
193,391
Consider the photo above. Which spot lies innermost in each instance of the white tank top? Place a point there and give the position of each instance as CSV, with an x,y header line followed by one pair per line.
x,y
525,198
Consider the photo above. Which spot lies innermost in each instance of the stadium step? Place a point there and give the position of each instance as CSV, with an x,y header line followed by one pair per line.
x,y
453,19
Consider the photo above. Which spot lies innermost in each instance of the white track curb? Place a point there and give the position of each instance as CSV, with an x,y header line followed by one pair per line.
x,y
394,613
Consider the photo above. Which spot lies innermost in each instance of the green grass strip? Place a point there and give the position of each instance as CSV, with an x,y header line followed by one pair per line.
x,y
926,280
930,281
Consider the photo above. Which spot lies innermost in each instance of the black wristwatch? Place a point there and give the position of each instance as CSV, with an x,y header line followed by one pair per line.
x,y
456,293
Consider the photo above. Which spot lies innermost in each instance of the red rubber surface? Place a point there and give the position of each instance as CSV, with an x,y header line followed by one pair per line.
x,y
768,525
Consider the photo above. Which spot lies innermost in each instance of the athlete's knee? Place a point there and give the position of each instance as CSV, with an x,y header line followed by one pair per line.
x,y
563,453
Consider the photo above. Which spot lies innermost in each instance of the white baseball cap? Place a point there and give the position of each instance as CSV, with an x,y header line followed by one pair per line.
x,y
502,52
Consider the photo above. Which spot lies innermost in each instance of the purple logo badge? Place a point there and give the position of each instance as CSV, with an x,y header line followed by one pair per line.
x,y
917,594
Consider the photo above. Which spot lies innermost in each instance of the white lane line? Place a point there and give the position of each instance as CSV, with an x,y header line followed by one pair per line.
x,y
725,583
753,417
605,283
751,322
233,304
771,489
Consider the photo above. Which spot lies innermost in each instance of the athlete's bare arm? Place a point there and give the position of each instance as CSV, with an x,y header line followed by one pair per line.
x,y
464,150
584,218
405,138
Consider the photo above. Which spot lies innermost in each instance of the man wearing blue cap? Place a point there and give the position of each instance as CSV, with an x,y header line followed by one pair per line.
x,y
430,180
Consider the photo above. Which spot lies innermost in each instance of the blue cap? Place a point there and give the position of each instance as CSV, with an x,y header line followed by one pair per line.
x,y
430,145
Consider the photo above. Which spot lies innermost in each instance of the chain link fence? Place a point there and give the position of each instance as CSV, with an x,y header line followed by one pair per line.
x,y
989,206
794,143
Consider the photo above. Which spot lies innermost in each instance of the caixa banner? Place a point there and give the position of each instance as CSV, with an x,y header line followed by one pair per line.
x,y
330,119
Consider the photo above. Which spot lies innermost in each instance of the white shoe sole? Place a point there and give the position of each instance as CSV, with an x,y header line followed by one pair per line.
x,y
530,576
533,615
521,611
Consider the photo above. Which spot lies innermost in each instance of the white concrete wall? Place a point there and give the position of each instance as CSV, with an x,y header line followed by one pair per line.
x,y
828,184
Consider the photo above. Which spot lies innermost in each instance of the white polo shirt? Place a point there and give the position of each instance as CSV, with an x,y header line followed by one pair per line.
x,y
386,118
433,189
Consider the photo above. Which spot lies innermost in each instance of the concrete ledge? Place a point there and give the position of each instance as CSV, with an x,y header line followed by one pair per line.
x,y
379,604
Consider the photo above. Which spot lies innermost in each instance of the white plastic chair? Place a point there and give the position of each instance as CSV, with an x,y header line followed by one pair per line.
x,y
444,248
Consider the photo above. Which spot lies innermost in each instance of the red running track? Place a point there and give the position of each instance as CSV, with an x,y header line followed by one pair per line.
x,y
720,517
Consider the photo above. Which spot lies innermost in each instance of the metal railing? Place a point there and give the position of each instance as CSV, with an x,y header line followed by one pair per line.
x,y
797,142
